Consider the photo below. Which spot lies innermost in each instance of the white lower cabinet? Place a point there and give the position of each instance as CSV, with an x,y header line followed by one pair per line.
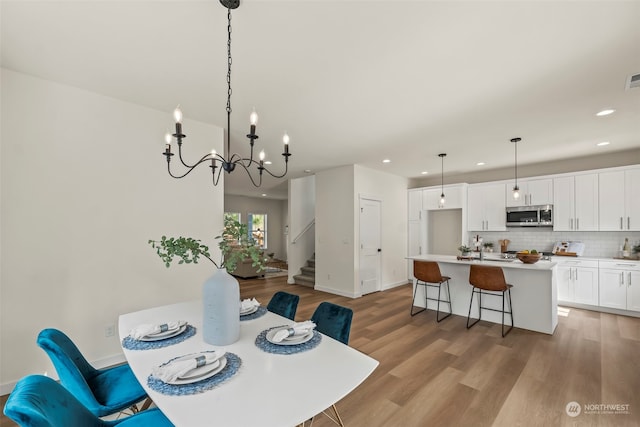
x,y
620,285
578,281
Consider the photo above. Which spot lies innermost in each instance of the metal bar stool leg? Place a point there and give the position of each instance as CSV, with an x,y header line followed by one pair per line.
x,y
473,291
510,312
448,301
415,291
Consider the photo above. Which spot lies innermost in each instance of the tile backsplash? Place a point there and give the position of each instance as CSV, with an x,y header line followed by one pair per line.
x,y
597,243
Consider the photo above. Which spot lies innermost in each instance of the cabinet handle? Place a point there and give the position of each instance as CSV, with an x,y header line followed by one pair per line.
x,y
576,270
628,223
620,223
629,277
577,223
622,278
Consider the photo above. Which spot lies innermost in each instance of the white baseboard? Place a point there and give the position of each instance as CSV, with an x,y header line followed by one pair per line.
x,y
336,292
116,359
394,285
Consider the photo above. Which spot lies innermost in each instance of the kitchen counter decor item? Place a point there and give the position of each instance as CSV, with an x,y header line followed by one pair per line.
x,y
504,244
528,258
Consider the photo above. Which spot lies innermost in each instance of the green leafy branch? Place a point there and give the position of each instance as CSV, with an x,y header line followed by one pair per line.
x,y
187,249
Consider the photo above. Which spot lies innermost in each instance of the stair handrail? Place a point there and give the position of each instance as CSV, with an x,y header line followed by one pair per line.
x,y
304,230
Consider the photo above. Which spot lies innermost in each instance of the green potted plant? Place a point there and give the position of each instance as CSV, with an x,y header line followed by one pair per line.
x,y
235,246
221,292
464,250
636,250
488,246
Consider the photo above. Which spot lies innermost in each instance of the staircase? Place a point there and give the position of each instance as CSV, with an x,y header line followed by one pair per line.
x,y
307,276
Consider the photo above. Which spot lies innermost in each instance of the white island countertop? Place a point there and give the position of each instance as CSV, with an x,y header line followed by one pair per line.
x,y
534,294
491,259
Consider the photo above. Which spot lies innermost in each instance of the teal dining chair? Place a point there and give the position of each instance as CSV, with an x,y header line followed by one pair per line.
x,y
39,401
102,391
334,321
284,304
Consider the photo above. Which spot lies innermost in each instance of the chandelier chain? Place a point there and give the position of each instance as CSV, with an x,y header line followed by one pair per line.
x,y
229,61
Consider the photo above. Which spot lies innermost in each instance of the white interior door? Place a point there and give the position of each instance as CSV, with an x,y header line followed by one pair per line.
x,y
370,247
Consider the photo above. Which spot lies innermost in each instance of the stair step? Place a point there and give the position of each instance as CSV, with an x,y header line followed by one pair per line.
x,y
301,279
308,271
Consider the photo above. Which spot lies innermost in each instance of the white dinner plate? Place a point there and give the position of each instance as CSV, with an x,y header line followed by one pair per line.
x,y
295,340
201,373
250,311
164,335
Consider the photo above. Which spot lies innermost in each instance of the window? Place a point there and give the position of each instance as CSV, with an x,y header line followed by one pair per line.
x,y
258,229
232,215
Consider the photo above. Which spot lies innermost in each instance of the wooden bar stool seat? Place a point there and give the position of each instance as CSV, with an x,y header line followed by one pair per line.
x,y
488,280
427,274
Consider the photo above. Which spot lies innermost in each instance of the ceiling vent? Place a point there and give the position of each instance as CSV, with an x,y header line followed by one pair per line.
x,y
633,81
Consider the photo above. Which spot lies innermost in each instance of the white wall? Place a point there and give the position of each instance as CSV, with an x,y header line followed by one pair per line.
x,y
84,186
391,190
301,213
276,217
335,225
338,194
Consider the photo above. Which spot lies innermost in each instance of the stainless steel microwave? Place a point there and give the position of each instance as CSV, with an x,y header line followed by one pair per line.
x,y
530,216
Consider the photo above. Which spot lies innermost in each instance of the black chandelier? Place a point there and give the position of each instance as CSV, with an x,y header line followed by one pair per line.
x,y
228,161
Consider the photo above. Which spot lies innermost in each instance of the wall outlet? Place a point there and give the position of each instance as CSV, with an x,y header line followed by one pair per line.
x,y
109,330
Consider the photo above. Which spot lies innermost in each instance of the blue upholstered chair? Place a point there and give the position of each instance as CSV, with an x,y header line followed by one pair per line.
x,y
334,321
284,304
101,391
39,401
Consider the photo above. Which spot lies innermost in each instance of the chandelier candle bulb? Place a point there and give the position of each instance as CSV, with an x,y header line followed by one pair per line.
x,y
285,139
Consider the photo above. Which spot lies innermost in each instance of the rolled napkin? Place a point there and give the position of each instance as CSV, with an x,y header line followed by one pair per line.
x,y
147,329
298,328
179,368
248,304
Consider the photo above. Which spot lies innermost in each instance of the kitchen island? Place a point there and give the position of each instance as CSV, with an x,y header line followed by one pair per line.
x,y
534,294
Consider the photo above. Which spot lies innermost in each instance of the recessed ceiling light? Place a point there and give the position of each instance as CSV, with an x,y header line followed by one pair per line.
x,y
267,162
386,161
605,112
264,195
480,164
307,171
424,172
603,143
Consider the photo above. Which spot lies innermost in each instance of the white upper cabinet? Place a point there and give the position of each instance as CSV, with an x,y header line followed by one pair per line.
x,y
532,192
453,195
415,204
486,207
620,200
575,203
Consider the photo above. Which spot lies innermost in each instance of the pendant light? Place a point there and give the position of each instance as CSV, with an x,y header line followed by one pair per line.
x,y
442,199
516,189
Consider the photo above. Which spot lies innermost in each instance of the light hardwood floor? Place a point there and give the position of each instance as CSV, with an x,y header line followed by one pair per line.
x,y
442,374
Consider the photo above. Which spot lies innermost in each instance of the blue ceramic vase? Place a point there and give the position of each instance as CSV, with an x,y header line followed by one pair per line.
x,y
221,309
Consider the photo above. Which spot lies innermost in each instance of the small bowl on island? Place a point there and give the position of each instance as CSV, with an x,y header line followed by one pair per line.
x,y
529,257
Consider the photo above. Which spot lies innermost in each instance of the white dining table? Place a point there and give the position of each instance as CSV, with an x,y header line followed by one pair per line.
x,y
269,389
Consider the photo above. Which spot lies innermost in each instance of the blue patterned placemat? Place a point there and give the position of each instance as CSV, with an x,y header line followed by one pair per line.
x,y
233,365
261,312
263,344
133,344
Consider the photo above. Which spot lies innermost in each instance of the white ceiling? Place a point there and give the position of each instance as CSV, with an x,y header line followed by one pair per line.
x,y
356,81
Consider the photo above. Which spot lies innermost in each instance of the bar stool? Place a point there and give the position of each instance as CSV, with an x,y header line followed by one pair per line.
x,y
488,280
428,275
